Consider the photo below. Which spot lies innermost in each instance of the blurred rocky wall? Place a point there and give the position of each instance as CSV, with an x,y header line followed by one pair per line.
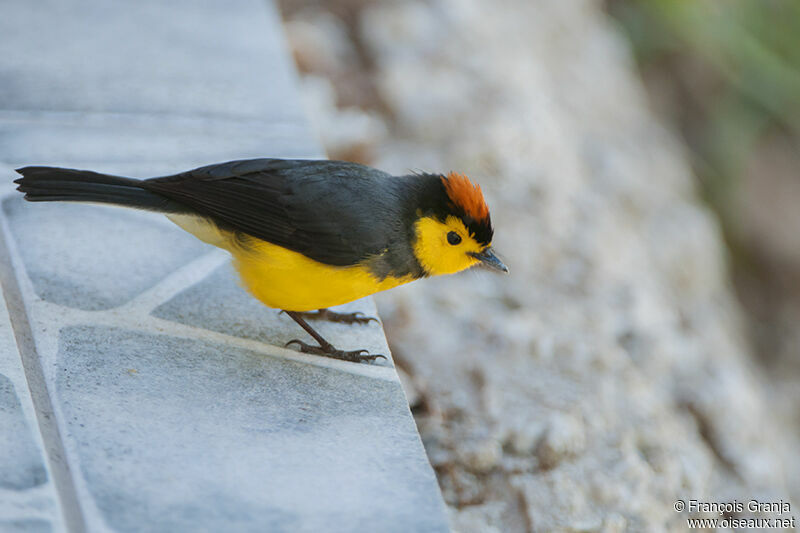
x,y
608,375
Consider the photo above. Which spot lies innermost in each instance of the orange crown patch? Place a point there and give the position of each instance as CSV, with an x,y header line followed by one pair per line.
x,y
466,195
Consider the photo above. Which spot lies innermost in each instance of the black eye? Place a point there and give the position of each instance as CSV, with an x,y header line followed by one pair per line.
x,y
453,238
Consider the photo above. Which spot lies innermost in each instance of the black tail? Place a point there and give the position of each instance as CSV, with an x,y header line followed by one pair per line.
x,y
48,184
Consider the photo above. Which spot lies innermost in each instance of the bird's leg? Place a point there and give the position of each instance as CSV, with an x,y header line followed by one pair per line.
x,y
332,316
325,348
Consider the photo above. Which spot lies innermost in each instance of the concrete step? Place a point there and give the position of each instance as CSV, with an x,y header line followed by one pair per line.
x,y
141,389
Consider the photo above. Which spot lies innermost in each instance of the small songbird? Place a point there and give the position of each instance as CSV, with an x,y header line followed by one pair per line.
x,y
305,235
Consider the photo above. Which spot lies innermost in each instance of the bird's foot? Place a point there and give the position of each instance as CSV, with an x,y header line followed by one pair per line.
x,y
332,316
355,356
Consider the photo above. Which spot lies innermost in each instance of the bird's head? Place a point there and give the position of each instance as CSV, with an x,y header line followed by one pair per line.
x,y
457,233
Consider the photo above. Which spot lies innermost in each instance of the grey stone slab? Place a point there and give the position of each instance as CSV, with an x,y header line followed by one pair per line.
x,y
155,426
147,145
28,500
122,252
21,465
198,436
25,526
183,57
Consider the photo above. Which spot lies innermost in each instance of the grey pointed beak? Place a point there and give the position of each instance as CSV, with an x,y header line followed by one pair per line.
x,y
489,260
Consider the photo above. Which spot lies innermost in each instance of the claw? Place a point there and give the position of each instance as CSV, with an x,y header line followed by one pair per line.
x,y
374,357
354,356
360,317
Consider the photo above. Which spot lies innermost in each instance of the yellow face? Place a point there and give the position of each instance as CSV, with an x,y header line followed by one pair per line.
x,y
444,247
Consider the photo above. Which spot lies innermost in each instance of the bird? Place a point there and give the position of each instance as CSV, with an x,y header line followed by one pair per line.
x,y
304,234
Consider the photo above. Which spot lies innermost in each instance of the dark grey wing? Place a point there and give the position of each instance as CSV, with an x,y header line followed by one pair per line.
x,y
332,211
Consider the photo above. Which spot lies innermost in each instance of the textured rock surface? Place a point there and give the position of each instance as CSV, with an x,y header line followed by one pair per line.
x,y
608,375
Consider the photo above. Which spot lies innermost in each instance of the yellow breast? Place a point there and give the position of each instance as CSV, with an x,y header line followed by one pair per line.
x,y
285,279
